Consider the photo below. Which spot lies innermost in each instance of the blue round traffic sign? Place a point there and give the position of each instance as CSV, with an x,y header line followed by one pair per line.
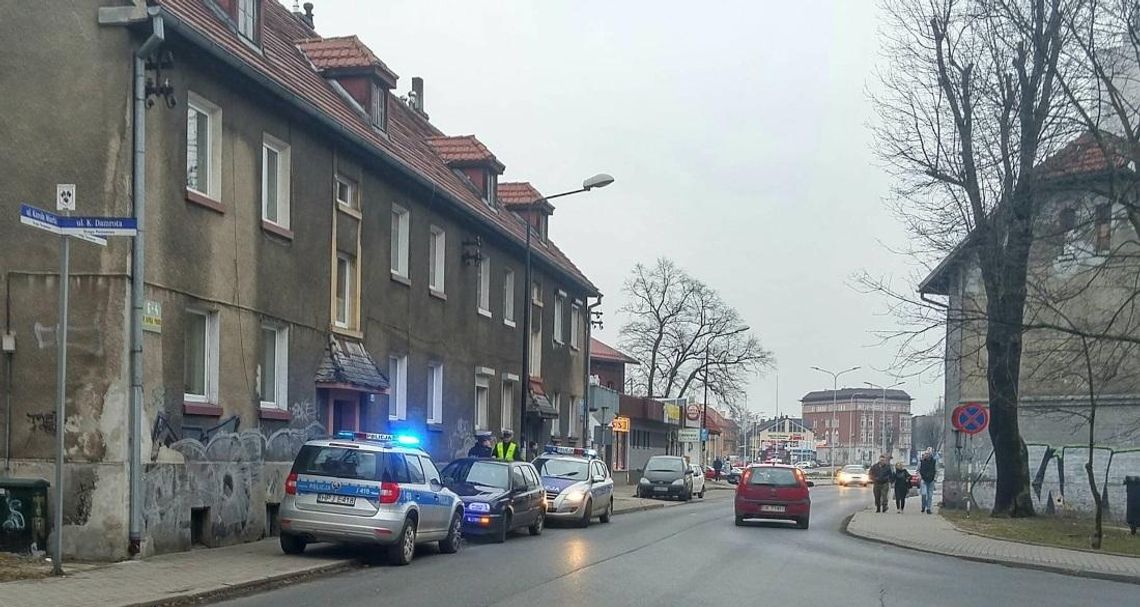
x,y
972,418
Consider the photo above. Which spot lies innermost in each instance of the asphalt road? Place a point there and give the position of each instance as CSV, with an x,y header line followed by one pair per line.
x,y
693,555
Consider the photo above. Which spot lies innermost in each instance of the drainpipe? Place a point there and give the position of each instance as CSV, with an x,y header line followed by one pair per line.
x,y
8,355
586,372
138,190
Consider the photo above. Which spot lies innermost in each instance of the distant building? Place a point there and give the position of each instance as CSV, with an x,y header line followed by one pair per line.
x,y
608,365
785,438
855,425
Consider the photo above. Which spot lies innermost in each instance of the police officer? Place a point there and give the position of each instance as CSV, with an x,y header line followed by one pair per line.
x,y
507,449
482,446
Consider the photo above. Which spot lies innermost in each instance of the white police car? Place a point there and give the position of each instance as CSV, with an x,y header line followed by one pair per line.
x,y
578,485
368,488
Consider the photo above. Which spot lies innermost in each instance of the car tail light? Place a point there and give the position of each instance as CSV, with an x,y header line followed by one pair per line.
x,y
291,484
389,493
744,478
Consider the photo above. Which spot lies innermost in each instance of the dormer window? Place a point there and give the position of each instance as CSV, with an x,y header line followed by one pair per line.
x,y
490,185
247,18
378,111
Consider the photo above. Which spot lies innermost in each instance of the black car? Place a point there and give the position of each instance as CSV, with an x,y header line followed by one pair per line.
x,y
666,476
498,496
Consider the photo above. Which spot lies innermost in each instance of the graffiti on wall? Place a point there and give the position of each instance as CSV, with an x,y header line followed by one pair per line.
x,y
42,422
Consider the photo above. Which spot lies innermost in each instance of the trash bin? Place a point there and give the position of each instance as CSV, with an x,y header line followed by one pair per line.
x,y
1132,485
23,515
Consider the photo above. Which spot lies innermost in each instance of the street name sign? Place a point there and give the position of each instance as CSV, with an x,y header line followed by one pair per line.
x,y
689,435
50,222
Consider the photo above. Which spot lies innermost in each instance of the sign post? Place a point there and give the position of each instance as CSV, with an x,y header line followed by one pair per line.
x,y
93,230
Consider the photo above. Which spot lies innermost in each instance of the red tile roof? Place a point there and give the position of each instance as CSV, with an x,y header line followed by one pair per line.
x,y
463,150
342,52
601,351
1085,155
283,67
520,192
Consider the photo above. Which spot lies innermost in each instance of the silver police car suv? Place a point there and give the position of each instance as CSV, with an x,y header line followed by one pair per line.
x,y
368,488
578,485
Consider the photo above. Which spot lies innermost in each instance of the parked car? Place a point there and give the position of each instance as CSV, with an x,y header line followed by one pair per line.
x,y
698,481
498,496
733,475
805,465
773,491
666,476
852,475
371,489
578,485
710,473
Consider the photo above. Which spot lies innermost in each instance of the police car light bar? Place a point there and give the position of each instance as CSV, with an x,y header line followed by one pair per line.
x,y
403,439
570,451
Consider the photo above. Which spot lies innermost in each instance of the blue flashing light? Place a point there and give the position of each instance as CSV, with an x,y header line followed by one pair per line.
x,y
408,439
555,449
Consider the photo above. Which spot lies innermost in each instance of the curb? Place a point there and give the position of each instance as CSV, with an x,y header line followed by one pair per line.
x,y
243,588
1085,573
641,508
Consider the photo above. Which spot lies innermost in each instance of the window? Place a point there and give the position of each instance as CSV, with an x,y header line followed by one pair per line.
x,y
438,254
509,297
275,182
485,287
1103,228
536,293
558,304
378,112
575,325
556,423
430,471
397,387
518,481
536,343
274,367
415,470
482,391
532,480
201,371
435,393
345,291
490,186
247,19
507,405
400,223
203,147
346,193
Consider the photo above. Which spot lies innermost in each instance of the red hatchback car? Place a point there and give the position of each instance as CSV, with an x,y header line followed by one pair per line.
x,y
774,492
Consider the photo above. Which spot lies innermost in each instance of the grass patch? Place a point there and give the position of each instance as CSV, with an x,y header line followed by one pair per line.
x,y
1063,532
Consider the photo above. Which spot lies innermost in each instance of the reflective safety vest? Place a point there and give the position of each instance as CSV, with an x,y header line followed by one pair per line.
x,y
510,451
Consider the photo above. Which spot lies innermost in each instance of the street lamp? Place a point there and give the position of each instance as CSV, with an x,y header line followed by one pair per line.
x,y
600,180
832,433
884,428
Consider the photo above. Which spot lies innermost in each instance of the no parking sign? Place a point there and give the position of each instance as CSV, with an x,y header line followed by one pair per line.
x,y
970,418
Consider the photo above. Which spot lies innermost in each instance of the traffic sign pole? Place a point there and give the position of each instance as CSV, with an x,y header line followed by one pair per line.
x,y
61,396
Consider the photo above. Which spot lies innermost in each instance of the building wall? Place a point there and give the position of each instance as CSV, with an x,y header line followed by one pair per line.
x,y
610,374
855,429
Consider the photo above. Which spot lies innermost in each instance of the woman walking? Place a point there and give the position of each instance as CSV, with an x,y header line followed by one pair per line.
x,y
902,481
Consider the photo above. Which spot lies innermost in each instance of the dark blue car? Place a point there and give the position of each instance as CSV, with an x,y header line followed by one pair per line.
x,y
498,496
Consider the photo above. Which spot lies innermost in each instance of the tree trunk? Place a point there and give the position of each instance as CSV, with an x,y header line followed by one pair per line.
x,y
1003,345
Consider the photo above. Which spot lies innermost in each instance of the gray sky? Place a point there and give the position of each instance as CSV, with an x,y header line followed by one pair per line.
x,y
736,131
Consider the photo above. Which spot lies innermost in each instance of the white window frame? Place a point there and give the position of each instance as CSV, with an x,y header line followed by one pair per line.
x,y
437,260
559,305
482,409
348,307
210,359
378,113
507,401
272,144
401,224
350,188
280,369
509,298
576,324
435,393
247,19
213,114
490,188
556,423
484,299
398,387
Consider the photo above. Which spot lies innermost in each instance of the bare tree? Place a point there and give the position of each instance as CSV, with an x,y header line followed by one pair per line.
x,y
972,105
686,336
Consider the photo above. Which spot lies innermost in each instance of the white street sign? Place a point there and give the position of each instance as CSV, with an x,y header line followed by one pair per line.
x,y
65,197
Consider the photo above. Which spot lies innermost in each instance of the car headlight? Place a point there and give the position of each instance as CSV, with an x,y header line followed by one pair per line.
x,y
679,482
479,507
574,496
643,481
842,477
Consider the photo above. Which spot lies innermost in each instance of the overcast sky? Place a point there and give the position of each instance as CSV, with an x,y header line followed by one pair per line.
x,y
737,133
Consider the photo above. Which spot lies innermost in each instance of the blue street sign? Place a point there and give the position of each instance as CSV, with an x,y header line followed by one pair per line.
x,y
100,226
50,222
704,434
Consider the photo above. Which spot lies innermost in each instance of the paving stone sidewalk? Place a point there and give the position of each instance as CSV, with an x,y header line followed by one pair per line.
x,y
932,533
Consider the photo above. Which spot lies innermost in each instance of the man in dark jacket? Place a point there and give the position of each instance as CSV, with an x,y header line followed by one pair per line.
x,y
881,477
926,470
482,446
718,465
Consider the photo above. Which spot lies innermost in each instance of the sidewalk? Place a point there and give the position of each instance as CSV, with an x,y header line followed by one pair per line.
x,y
187,576
934,534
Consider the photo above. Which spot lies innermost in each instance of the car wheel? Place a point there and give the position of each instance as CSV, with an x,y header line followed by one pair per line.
x,y
605,516
739,521
536,528
587,514
291,544
451,543
501,536
404,549
701,494
803,522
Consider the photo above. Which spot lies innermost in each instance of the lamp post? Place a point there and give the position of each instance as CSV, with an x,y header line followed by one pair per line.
x,y
884,428
600,180
834,405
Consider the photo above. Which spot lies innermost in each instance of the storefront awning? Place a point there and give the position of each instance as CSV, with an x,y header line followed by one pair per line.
x,y
348,366
538,403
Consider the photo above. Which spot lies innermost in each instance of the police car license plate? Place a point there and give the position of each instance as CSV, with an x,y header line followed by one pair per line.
x,y
340,500
771,508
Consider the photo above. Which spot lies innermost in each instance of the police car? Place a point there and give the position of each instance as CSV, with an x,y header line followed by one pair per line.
x,y
368,488
578,485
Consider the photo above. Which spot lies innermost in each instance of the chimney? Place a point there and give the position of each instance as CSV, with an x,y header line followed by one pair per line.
x,y
418,95
307,16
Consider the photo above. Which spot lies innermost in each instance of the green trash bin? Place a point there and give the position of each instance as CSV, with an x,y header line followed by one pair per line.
x,y
23,515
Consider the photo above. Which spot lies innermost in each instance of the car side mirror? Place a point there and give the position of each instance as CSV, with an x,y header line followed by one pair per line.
x,y
435,484
688,473
811,483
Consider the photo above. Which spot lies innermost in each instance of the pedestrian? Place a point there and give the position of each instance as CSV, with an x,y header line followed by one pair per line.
x,y
902,481
717,465
926,470
881,476
482,446
507,448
